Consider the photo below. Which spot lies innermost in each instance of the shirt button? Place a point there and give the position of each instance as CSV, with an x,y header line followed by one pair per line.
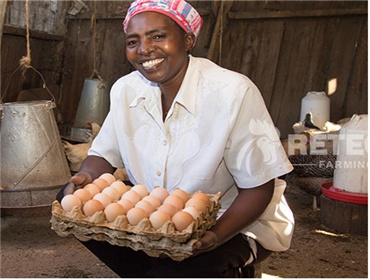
x,y
164,142
159,173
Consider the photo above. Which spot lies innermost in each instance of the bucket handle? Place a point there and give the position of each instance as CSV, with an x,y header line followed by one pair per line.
x,y
11,77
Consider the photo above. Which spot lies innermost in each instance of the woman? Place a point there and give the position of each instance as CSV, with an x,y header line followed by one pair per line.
x,y
184,122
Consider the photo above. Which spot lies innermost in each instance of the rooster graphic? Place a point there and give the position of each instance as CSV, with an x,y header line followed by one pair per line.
x,y
267,143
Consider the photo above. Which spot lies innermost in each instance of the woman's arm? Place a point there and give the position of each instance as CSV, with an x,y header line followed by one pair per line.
x,y
246,208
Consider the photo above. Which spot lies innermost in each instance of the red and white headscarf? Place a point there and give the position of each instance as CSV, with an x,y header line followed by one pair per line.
x,y
179,10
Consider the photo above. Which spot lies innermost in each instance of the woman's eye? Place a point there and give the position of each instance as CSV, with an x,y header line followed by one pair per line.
x,y
159,37
131,43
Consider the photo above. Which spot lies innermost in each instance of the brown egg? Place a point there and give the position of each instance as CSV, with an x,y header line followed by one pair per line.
x,y
132,196
127,204
198,203
70,201
113,210
112,192
168,208
108,177
159,193
120,187
152,200
100,183
192,211
182,220
175,201
202,196
149,208
182,194
92,206
158,218
93,189
103,198
135,215
83,195
141,190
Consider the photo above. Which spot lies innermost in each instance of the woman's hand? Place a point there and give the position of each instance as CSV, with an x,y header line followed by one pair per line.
x,y
207,243
79,180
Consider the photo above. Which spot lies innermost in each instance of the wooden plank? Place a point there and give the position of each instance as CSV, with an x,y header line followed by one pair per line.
x,y
341,63
356,101
291,74
231,54
261,55
318,65
297,14
45,16
19,31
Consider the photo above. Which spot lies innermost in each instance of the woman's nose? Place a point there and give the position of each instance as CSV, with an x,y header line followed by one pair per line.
x,y
145,48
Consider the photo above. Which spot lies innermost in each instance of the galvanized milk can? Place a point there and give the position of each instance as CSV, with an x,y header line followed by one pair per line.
x,y
94,103
33,163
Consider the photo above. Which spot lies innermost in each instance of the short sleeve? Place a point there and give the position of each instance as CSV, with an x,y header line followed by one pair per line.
x,y
254,153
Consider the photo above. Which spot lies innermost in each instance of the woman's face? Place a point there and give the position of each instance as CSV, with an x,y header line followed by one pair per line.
x,y
157,47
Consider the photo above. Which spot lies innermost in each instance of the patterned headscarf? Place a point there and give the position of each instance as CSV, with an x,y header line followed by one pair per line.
x,y
179,10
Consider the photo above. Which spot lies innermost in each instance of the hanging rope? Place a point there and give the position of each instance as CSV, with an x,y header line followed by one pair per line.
x,y
25,61
95,72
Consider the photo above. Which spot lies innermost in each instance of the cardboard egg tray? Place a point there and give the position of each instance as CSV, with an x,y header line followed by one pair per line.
x,y
154,242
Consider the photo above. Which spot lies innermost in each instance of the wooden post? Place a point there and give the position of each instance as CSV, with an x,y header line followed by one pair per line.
x,y
214,52
3,4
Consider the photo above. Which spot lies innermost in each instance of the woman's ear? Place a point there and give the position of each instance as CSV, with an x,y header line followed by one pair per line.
x,y
189,41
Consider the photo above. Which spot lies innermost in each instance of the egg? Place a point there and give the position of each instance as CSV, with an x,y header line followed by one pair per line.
x,y
132,196
192,211
70,201
202,196
175,201
93,189
83,195
112,192
149,208
152,200
100,183
120,187
135,215
182,194
168,208
108,177
158,218
127,204
113,210
159,193
92,206
182,220
198,203
140,190
103,198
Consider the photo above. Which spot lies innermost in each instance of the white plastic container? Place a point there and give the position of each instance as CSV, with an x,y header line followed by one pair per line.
x,y
351,166
318,103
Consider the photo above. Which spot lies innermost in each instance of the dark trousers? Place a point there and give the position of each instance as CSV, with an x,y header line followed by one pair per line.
x,y
227,261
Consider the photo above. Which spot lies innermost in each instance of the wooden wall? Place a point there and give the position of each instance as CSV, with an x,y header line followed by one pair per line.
x,y
286,47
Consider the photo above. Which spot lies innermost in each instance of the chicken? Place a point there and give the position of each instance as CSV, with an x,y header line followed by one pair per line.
x,y
76,153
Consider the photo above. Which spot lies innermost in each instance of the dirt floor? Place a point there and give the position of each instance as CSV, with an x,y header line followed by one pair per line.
x,y
30,249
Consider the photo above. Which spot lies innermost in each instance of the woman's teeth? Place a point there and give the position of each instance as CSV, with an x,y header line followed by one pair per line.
x,y
152,63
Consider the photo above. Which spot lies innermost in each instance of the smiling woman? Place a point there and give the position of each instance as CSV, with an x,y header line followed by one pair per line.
x,y
182,122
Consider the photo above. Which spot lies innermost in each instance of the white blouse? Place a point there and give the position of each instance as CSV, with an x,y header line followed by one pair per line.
x,y
217,134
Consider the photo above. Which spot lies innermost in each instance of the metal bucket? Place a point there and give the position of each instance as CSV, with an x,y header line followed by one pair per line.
x,y
94,103
33,163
